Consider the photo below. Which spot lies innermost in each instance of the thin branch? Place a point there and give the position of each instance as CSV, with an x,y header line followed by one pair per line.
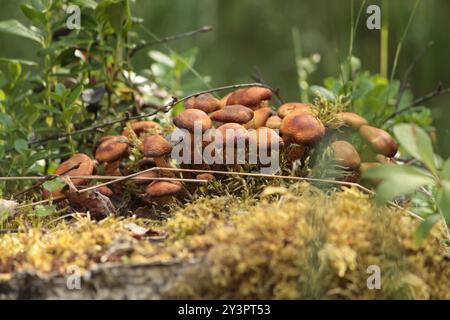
x,y
167,107
203,29
418,102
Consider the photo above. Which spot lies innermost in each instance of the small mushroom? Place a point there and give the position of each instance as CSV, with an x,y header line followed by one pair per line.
x,y
289,107
147,174
380,141
233,113
260,117
205,176
104,190
163,191
302,128
190,118
156,147
251,97
346,155
141,127
351,119
274,122
205,102
231,133
85,168
111,149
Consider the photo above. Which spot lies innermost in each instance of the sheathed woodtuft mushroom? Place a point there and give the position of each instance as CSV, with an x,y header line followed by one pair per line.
x,y
260,117
85,168
346,155
251,97
289,107
302,128
205,102
158,189
190,118
233,113
380,141
351,119
141,127
111,149
156,147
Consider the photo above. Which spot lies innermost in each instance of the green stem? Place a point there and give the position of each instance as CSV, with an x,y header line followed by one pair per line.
x,y
384,40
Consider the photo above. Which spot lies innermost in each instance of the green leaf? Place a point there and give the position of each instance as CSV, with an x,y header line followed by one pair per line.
x,y
14,27
36,16
20,145
397,180
53,185
85,3
161,58
115,14
417,143
44,211
74,95
19,61
446,170
425,227
444,200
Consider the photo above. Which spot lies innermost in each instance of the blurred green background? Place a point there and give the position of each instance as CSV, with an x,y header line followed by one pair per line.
x,y
251,34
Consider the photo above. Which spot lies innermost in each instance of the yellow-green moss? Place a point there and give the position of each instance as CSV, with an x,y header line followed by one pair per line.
x,y
292,243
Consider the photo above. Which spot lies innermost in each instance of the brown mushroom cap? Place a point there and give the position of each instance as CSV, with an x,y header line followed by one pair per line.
x,y
191,117
111,149
155,146
289,107
380,141
351,119
264,138
104,190
231,133
158,189
86,168
346,155
302,128
233,113
274,122
250,97
205,176
205,102
140,127
260,117
365,166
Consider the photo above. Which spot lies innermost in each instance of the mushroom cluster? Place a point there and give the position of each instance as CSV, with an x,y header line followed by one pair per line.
x,y
244,115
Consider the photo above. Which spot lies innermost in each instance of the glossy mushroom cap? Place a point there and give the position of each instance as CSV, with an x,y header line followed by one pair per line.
x,y
380,141
111,149
104,190
158,189
351,119
86,168
250,97
155,146
233,113
260,117
205,102
345,154
287,108
190,118
140,127
302,128
231,133
205,176
264,137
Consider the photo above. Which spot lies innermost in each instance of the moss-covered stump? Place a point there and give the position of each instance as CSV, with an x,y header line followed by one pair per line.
x,y
295,243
